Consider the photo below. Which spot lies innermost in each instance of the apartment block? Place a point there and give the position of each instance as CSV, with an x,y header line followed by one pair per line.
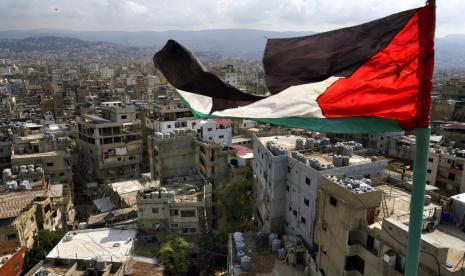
x,y
362,229
111,144
288,171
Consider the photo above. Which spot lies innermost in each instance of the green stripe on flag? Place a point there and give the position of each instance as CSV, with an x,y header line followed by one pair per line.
x,y
354,125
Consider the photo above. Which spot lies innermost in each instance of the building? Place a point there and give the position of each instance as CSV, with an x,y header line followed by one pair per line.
x,y
445,170
12,264
111,144
108,245
183,205
181,153
24,212
288,171
379,143
173,154
362,229
217,130
47,146
454,134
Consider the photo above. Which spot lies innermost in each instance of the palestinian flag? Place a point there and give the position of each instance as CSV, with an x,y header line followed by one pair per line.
x,y
373,77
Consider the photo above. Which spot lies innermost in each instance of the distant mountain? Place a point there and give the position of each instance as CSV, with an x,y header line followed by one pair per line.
x,y
232,43
49,43
450,50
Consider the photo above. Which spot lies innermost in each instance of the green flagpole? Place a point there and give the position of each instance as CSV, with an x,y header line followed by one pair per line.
x,y
417,201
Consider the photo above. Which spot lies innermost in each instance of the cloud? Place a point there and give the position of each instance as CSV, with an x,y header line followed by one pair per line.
x,y
137,8
158,15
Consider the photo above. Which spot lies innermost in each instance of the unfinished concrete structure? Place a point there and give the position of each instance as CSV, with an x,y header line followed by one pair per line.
x,y
288,171
362,229
111,144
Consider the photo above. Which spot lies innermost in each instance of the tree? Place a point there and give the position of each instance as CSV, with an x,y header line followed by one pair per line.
x,y
235,200
173,253
44,242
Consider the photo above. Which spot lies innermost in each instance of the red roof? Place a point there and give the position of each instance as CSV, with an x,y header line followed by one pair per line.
x,y
241,150
223,121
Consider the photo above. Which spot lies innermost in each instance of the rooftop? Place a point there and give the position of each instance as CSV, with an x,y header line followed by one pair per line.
x,y
108,244
11,204
126,187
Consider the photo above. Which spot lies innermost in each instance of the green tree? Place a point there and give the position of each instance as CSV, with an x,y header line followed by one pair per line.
x,y
173,253
44,242
235,200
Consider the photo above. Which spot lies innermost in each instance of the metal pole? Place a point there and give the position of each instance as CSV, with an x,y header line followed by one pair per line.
x,y
417,201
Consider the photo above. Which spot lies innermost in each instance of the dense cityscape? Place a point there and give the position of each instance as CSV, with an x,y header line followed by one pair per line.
x,y
105,170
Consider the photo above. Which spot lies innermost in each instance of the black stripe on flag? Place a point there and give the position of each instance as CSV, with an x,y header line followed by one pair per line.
x,y
314,58
185,72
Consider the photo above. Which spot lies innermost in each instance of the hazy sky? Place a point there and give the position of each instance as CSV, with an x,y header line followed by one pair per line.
x,y
159,15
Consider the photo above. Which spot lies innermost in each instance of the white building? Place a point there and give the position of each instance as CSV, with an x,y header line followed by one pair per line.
x,y
218,131
231,78
113,245
106,72
288,170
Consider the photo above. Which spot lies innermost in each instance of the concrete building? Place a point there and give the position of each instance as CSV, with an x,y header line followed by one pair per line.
x,y
173,154
362,229
25,212
446,170
111,144
183,205
288,171
47,146
107,245
181,153
379,143
453,133
12,264
217,130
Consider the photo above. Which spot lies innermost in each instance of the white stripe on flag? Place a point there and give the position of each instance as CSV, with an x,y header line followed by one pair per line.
x,y
299,100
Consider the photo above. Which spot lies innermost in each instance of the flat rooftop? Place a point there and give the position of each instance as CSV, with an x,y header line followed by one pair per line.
x,y
287,141
398,204
327,158
39,154
126,187
108,244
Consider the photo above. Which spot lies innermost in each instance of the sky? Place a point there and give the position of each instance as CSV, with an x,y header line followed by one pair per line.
x,y
162,15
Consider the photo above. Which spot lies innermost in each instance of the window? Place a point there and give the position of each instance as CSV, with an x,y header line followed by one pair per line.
x,y
333,201
132,157
221,136
187,213
210,138
168,126
155,210
11,237
50,164
430,159
306,202
209,129
123,117
61,174
193,124
174,212
307,180
287,188
303,220
428,171
288,169
294,213
174,225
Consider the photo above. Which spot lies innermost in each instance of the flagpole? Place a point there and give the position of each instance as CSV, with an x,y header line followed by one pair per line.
x,y
417,201
423,133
